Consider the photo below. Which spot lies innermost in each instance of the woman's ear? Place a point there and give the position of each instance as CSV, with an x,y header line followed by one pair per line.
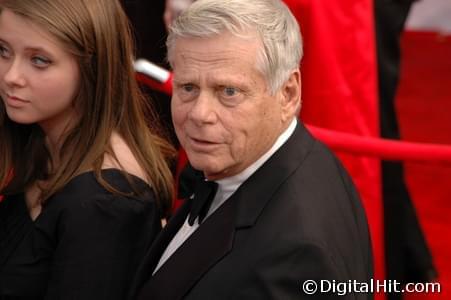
x,y
291,96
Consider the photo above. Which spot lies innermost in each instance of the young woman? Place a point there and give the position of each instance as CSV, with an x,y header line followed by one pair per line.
x,y
82,170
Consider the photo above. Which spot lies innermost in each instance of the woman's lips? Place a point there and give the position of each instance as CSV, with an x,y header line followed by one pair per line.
x,y
15,101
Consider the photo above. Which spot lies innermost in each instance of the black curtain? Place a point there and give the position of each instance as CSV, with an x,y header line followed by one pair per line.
x,y
407,255
146,17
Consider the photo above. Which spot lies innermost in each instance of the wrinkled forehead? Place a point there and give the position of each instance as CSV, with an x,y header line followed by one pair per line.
x,y
225,49
224,60
222,37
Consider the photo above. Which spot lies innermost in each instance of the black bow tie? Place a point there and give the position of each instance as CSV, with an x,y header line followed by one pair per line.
x,y
202,192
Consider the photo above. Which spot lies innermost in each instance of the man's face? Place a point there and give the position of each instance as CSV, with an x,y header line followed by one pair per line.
x,y
223,112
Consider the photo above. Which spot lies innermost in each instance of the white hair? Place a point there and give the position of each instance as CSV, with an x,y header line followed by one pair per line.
x,y
276,27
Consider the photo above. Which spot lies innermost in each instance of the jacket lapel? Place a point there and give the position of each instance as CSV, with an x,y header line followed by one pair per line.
x,y
257,191
194,257
152,258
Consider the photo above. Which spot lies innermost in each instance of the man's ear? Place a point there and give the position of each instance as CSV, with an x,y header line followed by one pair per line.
x,y
291,96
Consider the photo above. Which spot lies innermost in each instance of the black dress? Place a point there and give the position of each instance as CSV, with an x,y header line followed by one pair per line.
x,y
86,244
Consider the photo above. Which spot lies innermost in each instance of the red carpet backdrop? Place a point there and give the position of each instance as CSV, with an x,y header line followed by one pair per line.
x,y
424,111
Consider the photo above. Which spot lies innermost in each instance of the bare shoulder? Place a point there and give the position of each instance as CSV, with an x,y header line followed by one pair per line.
x,y
126,160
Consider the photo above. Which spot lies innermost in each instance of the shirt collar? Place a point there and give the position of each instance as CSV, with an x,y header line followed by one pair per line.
x,y
227,186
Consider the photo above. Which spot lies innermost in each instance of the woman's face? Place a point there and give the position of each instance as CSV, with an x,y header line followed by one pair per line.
x,y
39,79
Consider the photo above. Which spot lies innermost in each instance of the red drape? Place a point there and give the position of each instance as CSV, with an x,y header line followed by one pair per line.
x,y
339,78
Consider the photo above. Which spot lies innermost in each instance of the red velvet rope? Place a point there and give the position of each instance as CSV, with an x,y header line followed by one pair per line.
x,y
347,142
165,87
382,148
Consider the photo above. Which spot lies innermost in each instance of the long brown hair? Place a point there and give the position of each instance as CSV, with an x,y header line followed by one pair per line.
x,y
98,34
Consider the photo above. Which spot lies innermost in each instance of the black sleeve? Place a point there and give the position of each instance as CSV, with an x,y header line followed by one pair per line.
x,y
308,271
101,241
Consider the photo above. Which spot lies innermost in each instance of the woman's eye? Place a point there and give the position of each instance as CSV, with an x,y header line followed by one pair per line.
x,y
40,61
4,52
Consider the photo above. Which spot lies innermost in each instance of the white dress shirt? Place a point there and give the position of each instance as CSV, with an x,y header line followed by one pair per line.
x,y
226,187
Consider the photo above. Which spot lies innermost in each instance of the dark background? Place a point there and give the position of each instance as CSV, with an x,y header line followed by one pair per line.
x,y
146,17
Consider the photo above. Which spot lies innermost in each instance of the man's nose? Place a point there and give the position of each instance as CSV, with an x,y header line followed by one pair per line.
x,y
14,74
204,109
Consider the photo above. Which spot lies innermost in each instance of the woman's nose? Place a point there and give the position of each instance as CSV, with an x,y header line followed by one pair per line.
x,y
13,74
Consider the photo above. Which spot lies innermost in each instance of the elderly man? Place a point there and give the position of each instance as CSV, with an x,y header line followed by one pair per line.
x,y
283,209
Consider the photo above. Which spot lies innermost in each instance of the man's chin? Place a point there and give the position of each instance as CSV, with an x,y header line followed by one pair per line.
x,y
204,168
209,170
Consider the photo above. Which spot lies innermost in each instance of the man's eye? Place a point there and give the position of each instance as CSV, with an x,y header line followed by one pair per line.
x,y
186,91
230,91
188,87
40,61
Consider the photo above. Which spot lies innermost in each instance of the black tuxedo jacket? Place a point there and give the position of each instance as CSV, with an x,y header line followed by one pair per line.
x,y
297,218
